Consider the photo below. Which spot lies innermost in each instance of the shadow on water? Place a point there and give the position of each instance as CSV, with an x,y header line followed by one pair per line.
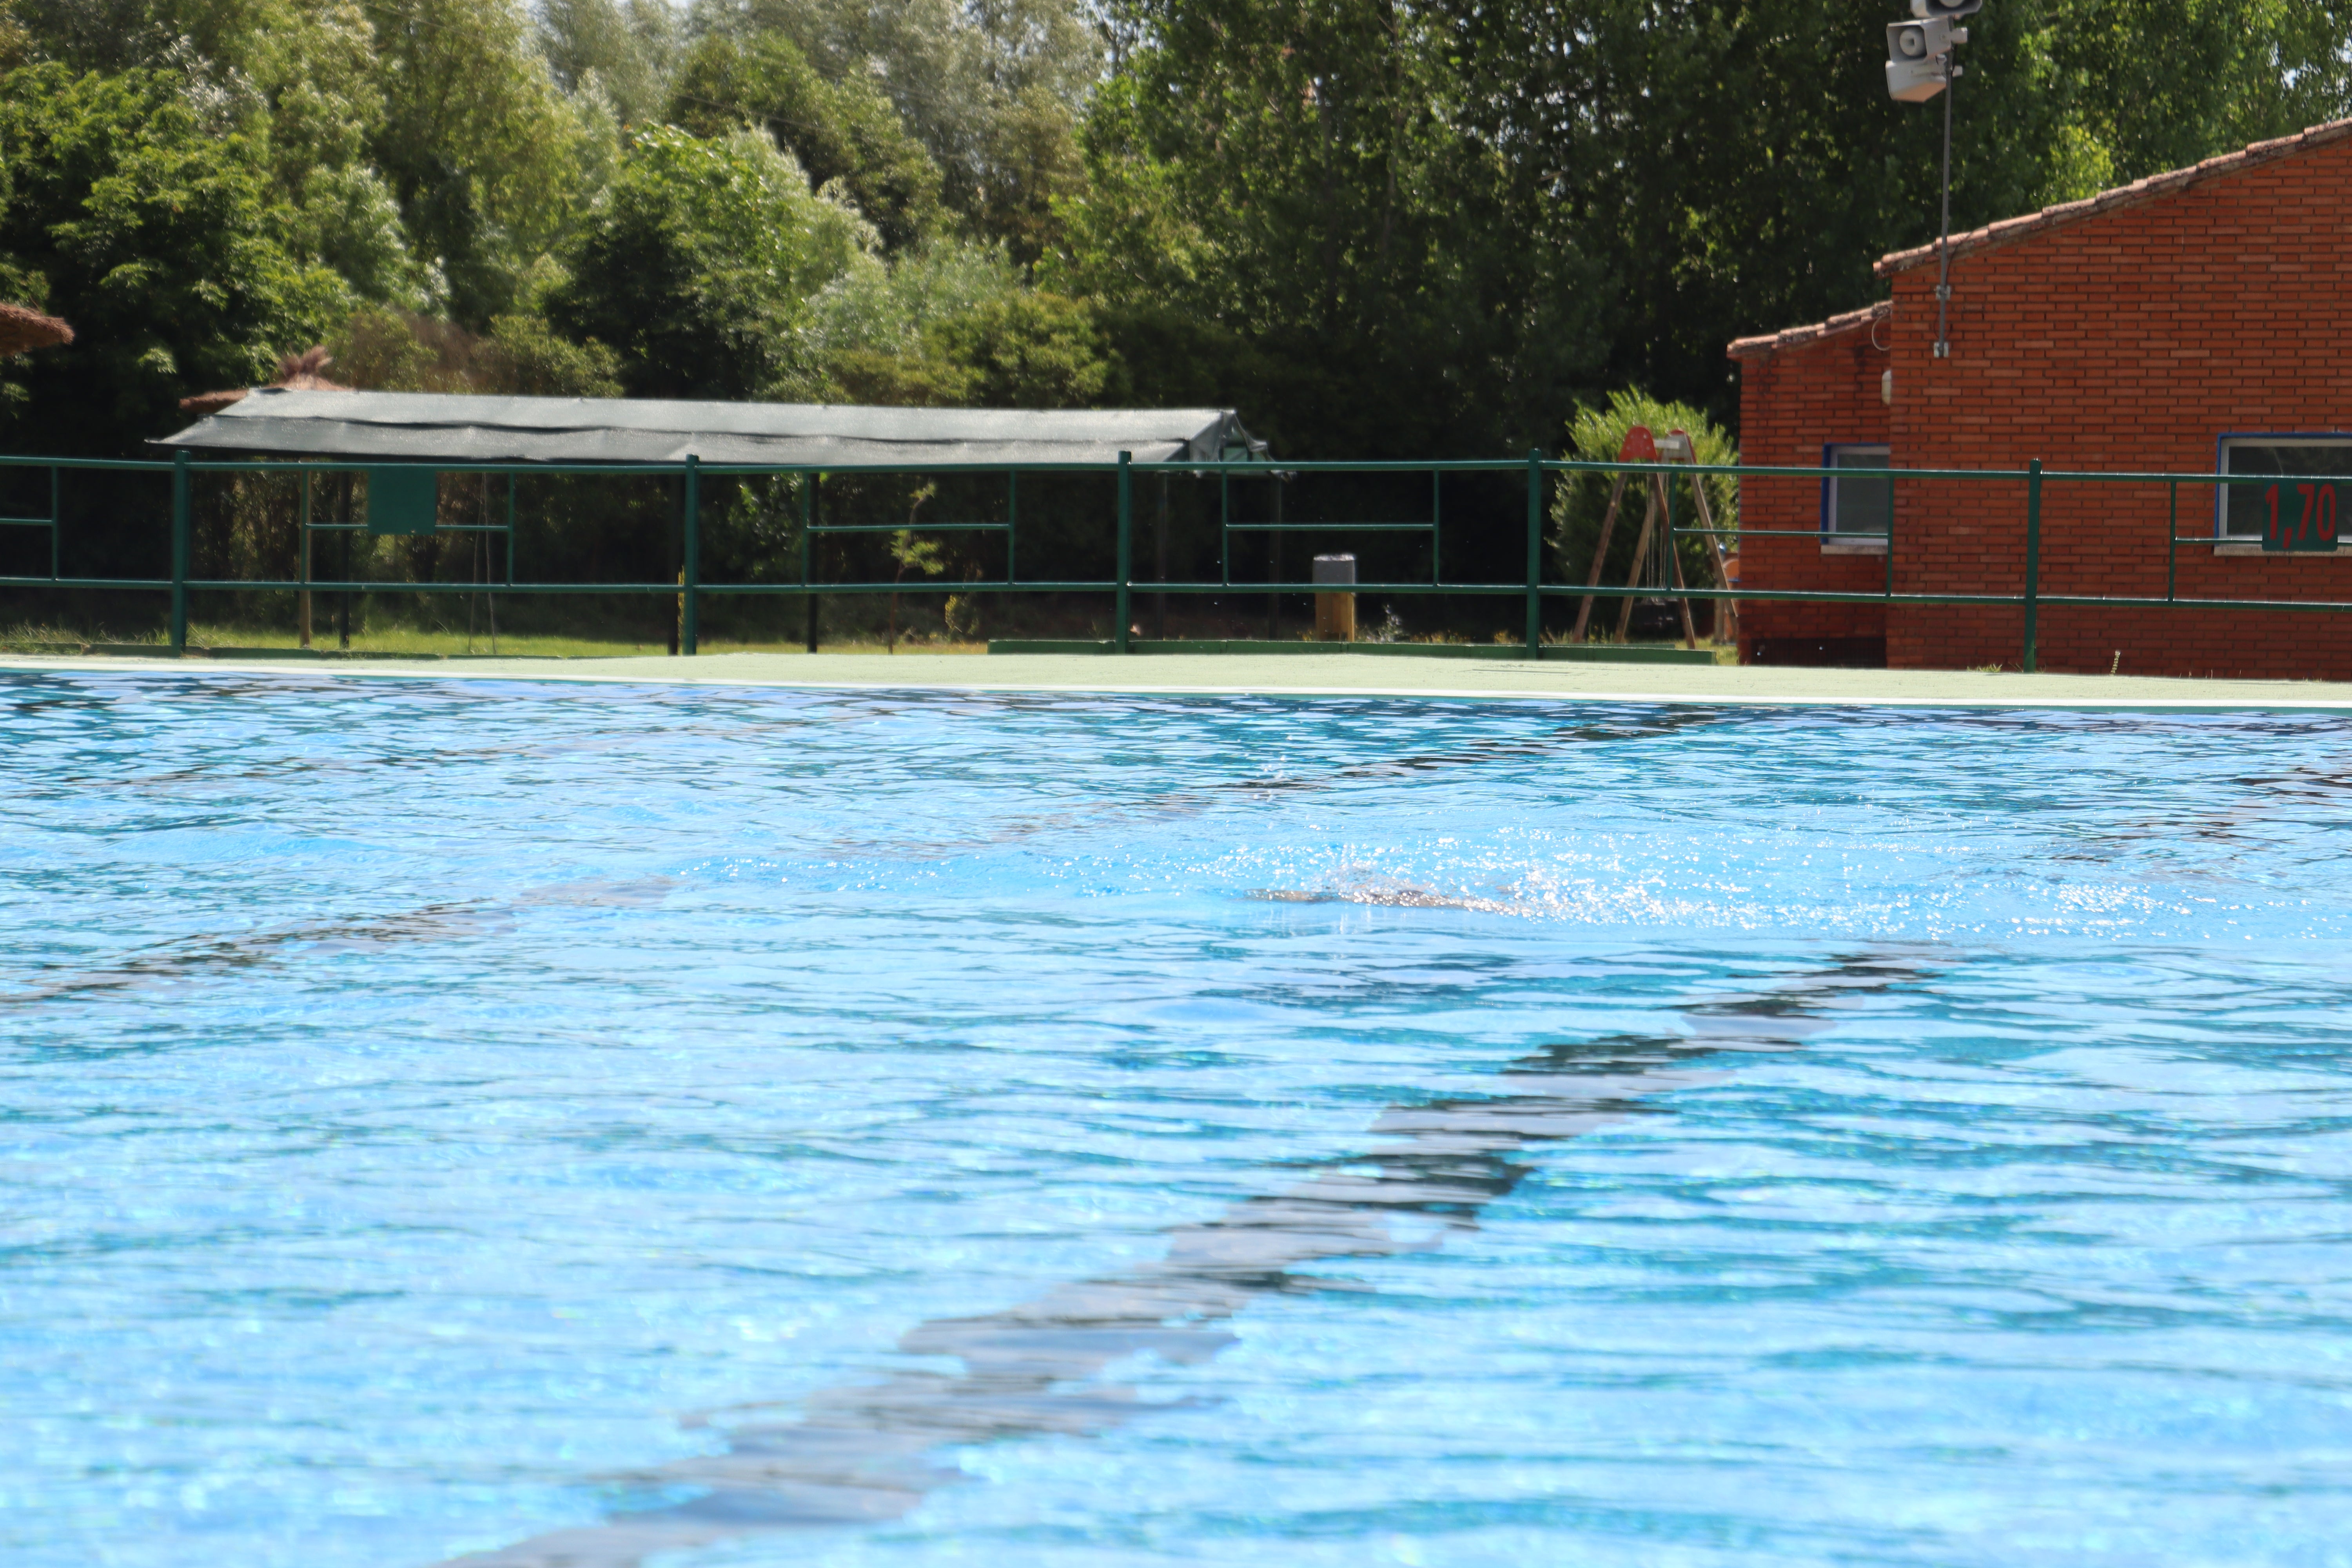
x,y
168,962
864,1453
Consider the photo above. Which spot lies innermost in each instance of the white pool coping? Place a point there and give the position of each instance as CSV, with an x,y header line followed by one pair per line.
x,y
1299,675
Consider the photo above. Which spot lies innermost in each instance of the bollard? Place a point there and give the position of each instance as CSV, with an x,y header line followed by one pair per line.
x,y
1335,614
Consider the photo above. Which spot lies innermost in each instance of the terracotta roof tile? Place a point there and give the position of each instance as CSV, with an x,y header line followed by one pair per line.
x,y
2009,230
1797,337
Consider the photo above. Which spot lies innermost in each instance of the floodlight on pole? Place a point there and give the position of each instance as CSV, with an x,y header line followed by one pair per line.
x,y
1919,67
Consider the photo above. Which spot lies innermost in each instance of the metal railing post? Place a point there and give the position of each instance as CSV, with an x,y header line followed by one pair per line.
x,y
302,605
1535,551
1125,542
810,480
178,630
689,614
2171,536
2032,558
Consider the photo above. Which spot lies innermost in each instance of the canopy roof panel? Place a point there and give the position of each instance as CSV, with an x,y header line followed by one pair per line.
x,y
426,427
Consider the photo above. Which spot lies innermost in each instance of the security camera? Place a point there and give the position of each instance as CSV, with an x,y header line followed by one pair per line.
x,y
1916,59
1947,9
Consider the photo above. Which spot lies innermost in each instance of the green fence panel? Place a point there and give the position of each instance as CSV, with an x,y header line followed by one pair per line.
x,y
403,498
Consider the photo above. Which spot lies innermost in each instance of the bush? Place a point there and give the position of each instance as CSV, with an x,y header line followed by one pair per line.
x,y
1596,436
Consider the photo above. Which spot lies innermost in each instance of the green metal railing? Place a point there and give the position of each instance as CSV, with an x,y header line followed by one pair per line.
x,y
1531,586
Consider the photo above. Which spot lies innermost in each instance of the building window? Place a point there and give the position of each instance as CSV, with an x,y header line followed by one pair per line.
x,y
2244,510
1861,509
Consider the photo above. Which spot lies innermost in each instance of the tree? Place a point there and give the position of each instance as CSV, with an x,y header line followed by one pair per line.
x,y
156,236
845,130
699,266
1580,502
491,165
993,88
623,50
1735,165
1301,176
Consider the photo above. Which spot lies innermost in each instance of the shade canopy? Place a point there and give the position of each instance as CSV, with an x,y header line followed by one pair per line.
x,y
428,426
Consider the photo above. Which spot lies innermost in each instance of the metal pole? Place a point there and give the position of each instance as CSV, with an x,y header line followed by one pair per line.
x,y
1160,562
1535,551
1436,523
1944,243
1126,542
179,630
1273,567
1889,541
1224,528
57,517
2171,535
809,483
1012,523
303,607
2033,557
689,626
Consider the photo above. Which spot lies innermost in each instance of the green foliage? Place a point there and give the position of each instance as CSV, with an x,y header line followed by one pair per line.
x,y
483,153
624,51
388,351
1732,169
993,89
157,238
702,263
845,130
1580,502
1300,176
1493,207
885,307
1030,350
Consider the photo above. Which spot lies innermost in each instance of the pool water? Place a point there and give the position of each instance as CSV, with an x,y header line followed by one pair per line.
x,y
529,1123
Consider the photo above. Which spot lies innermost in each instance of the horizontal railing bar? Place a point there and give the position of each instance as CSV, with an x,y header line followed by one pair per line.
x,y
28,522
1203,468
320,585
128,465
1560,591
923,587
1330,527
911,528
1783,533
437,528
132,585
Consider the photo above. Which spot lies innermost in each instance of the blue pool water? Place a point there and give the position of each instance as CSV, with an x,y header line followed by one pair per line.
x,y
596,1124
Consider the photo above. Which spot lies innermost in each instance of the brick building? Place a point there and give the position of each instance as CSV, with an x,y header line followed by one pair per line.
x,y
2193,322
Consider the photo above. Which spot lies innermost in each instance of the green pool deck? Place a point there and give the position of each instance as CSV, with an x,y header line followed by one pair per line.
x,y
1301,675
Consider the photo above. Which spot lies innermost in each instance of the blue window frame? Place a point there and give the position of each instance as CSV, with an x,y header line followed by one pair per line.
x,y
1856,507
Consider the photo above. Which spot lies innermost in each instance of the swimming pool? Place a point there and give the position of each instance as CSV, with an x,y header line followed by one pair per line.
x,y
761,1127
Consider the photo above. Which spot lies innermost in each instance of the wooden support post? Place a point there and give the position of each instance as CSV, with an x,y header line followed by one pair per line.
x,y
1600,554
1641,553
1727,612
1675,565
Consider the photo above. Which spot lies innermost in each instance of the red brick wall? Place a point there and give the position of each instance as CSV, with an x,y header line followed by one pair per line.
x,y
1791,405
2125,342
